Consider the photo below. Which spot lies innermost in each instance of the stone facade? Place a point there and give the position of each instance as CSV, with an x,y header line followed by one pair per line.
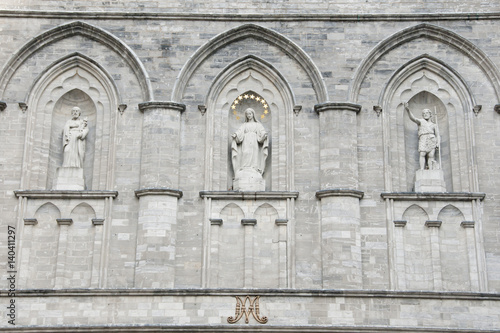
x,y
342,238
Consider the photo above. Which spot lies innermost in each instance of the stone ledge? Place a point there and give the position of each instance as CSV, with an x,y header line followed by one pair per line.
x,y
137,15
65,194
433,196
339,192
369,293
240,328
244,195
158,191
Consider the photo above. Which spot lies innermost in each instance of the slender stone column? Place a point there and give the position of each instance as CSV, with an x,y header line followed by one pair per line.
x,y
160,144
340,212
158,196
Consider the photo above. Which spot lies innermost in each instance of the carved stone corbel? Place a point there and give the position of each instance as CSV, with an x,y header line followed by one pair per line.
x,y
203,109
23,106
497,108
297,109
97,221
476,109
121,108
3,106
377,109
64,221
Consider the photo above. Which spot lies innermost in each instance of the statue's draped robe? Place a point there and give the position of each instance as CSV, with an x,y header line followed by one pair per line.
x,y
74,143
250,147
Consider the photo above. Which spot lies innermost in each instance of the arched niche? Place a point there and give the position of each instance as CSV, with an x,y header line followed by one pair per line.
x,y
420,101
83,213
62,113
227,268
266,262
426,82
246,77
71,81
40,272
417,250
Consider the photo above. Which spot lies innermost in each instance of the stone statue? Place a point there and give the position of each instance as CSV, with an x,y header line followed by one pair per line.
x,y
249,149
428,139
75,132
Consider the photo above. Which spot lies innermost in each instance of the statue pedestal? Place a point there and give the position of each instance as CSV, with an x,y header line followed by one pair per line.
x,y
249,180
68,178
430,181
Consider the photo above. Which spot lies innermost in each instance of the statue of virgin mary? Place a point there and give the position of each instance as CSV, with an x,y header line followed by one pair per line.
x,y
249,150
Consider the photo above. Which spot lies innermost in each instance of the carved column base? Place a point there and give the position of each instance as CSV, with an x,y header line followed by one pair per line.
x,y
68,178
430,181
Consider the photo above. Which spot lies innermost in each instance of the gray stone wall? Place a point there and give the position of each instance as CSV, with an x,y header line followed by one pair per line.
x,y
336,213
273,6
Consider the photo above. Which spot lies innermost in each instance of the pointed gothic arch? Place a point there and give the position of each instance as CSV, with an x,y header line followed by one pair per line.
x,y
433,32
451,98
74,78
427,62
250,73
257,32
68,30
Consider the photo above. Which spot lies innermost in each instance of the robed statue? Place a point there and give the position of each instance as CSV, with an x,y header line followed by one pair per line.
x,y
74,134
249,150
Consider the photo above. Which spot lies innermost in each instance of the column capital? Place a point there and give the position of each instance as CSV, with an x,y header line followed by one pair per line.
x,y
162,105
158,191
340,106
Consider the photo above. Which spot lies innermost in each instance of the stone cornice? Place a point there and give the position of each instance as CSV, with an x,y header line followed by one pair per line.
x,y
65,194
343,106
264,195
162,105
431,196
258,292
119,15
339,192
158,191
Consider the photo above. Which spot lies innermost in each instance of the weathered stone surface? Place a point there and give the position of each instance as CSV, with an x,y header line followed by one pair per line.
x,y
342,233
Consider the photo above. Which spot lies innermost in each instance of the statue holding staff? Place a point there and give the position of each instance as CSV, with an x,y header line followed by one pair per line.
x,y
428,139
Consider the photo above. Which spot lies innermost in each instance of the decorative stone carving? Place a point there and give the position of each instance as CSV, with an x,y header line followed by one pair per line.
x,y
202,109
476,109
70,175
23,106
377,109
249,150
241,309
428,138
297,109
122,108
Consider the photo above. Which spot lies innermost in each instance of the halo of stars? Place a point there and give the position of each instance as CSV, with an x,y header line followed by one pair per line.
x,y
252,96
